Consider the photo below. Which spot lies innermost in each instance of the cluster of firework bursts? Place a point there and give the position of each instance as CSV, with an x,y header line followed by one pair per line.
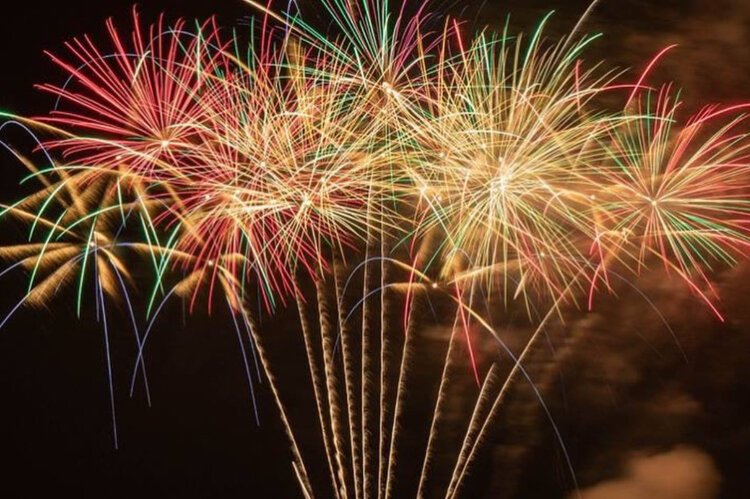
x,y
494,169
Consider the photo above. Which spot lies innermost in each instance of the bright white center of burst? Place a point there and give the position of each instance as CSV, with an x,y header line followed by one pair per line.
x,y
92,244
164,144
306,202
434,285
211,263
389,90
499,185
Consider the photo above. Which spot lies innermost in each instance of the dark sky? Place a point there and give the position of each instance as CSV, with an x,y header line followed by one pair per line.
x,y
199,439
713,62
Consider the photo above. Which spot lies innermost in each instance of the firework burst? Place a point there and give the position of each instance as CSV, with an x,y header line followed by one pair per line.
x,y
452,170
504,163
137,103
675,194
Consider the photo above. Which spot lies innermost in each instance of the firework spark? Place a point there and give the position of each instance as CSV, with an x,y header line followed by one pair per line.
x,y
480,173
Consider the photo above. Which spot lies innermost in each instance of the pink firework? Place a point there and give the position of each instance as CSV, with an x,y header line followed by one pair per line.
x,y
137,104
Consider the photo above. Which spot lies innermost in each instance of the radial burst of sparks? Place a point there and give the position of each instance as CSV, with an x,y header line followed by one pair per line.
x,y
675,194
137,102
504,162
286,173
494,161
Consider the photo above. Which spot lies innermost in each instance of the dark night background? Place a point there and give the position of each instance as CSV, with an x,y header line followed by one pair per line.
x,y
639,420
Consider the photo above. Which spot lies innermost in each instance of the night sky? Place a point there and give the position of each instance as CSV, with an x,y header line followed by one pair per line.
x,y
632,409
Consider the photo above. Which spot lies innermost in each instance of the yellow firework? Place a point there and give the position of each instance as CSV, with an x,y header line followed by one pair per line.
x,y
504,162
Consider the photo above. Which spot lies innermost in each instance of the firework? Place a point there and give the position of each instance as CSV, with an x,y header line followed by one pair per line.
x,y
506,159
479,173
138,102
75,223
678,195
284,174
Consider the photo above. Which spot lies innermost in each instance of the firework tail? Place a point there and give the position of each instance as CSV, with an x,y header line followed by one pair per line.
x,y
438,411
401,388
459,472
385,370
478,417
338,414
298,463
368,377
319,388
524,414
347,349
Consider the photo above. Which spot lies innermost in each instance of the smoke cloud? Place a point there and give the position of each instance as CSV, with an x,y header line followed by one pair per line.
x,y
682,473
